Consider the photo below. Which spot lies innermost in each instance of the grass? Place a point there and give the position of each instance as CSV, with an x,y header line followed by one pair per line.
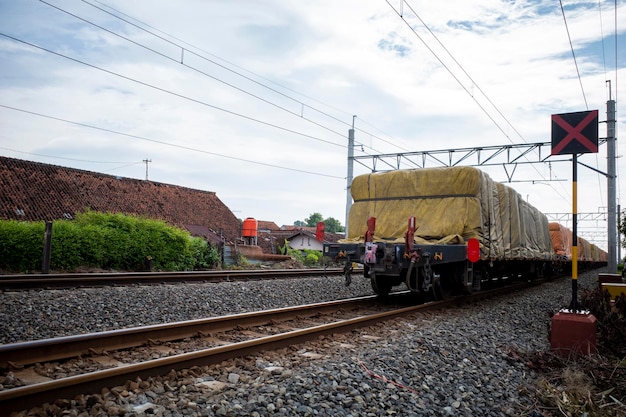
x,y
581,385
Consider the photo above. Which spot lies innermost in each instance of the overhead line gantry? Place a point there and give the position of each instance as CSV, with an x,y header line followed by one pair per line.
x,y
513,154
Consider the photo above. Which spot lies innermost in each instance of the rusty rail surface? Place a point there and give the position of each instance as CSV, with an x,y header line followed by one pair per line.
x,y
27,396
70,280
48,350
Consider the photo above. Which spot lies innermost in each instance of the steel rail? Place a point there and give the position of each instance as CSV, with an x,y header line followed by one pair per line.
x,y
23,397
20,398
16,355
129,278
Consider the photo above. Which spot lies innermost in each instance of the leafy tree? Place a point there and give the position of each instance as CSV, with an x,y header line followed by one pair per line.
x,y
313,219
333,225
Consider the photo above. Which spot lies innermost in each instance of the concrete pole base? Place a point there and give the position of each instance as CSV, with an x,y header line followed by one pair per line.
x,y
573,333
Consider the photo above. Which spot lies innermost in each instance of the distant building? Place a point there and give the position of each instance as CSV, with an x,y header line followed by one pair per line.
x,y
35,191
303,239
297,237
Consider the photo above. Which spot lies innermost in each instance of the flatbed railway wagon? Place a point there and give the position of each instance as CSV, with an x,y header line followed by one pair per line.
x,y
441,230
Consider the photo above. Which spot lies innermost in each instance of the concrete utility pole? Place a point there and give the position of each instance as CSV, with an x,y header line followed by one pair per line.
x,y
611,180
350,172
619,235
147,161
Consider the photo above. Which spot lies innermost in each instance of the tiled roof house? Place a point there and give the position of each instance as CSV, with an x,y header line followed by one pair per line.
x,y
270,241
36,191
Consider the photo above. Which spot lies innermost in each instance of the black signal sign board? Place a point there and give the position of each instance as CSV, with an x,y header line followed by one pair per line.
x,y
574,133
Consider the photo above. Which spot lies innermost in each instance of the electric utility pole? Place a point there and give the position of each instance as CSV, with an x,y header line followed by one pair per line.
x,y
147,161
611,180
350,172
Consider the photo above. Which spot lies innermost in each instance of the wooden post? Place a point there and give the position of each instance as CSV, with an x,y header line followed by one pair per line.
x,y
47,248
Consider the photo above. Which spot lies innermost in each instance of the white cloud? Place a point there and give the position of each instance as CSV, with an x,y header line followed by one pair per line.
x,y
324,61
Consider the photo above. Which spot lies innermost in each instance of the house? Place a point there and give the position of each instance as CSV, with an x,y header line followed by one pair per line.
x,y
35,191
303,239
267,226
272,238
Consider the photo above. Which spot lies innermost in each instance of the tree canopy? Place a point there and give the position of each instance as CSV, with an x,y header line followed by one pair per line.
x,y
332,225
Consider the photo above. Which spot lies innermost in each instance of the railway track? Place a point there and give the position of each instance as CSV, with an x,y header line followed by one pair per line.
x,y
70,280
207,342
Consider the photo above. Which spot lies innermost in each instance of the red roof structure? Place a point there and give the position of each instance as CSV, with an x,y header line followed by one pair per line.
x,y
35,191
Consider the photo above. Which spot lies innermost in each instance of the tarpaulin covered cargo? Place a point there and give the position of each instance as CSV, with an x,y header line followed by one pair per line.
x,y
561,240
535,242
584,250
596,253
450,205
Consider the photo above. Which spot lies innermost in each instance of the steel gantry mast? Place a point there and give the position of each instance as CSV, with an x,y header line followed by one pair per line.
x,y
476,156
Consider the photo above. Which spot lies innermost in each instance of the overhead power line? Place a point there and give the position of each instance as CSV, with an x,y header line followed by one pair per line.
x,y
473,96
230,66
573,54
65,158
163,90
400,13
182,62
188,148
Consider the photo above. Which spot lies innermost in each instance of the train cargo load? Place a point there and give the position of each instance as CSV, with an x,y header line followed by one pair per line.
x,y
450,206
413,227
561,240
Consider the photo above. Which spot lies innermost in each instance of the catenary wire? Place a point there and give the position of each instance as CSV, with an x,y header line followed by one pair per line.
x,y
227,68
508,122
181,62
171,92
484,110
573,54
189,148
447,68
65,158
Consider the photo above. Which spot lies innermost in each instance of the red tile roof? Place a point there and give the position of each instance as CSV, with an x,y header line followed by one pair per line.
x,y
36,191
267,225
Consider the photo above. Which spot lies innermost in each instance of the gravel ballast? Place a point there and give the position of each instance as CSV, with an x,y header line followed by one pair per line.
x,y
40,314
453,362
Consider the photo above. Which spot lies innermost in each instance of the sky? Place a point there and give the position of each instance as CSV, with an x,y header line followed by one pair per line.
x,y
254,99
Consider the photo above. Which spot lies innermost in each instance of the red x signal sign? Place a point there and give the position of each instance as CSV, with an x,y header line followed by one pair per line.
x,y
574,133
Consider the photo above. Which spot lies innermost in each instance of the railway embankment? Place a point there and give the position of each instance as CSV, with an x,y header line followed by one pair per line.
x,y
462,361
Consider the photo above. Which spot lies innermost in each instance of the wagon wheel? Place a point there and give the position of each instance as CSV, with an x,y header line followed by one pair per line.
x,y
380,286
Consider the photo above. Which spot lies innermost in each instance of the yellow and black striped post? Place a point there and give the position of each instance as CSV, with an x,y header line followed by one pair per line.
x,y
574,303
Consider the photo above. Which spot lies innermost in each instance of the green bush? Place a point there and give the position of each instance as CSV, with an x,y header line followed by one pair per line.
x,y
104,240
308,257
311,259
205,255
21,245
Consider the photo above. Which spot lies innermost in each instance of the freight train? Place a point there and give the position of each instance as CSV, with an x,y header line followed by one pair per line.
x,y
443,230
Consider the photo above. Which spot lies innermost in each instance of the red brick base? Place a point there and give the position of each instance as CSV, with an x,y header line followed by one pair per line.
x,y
573,333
